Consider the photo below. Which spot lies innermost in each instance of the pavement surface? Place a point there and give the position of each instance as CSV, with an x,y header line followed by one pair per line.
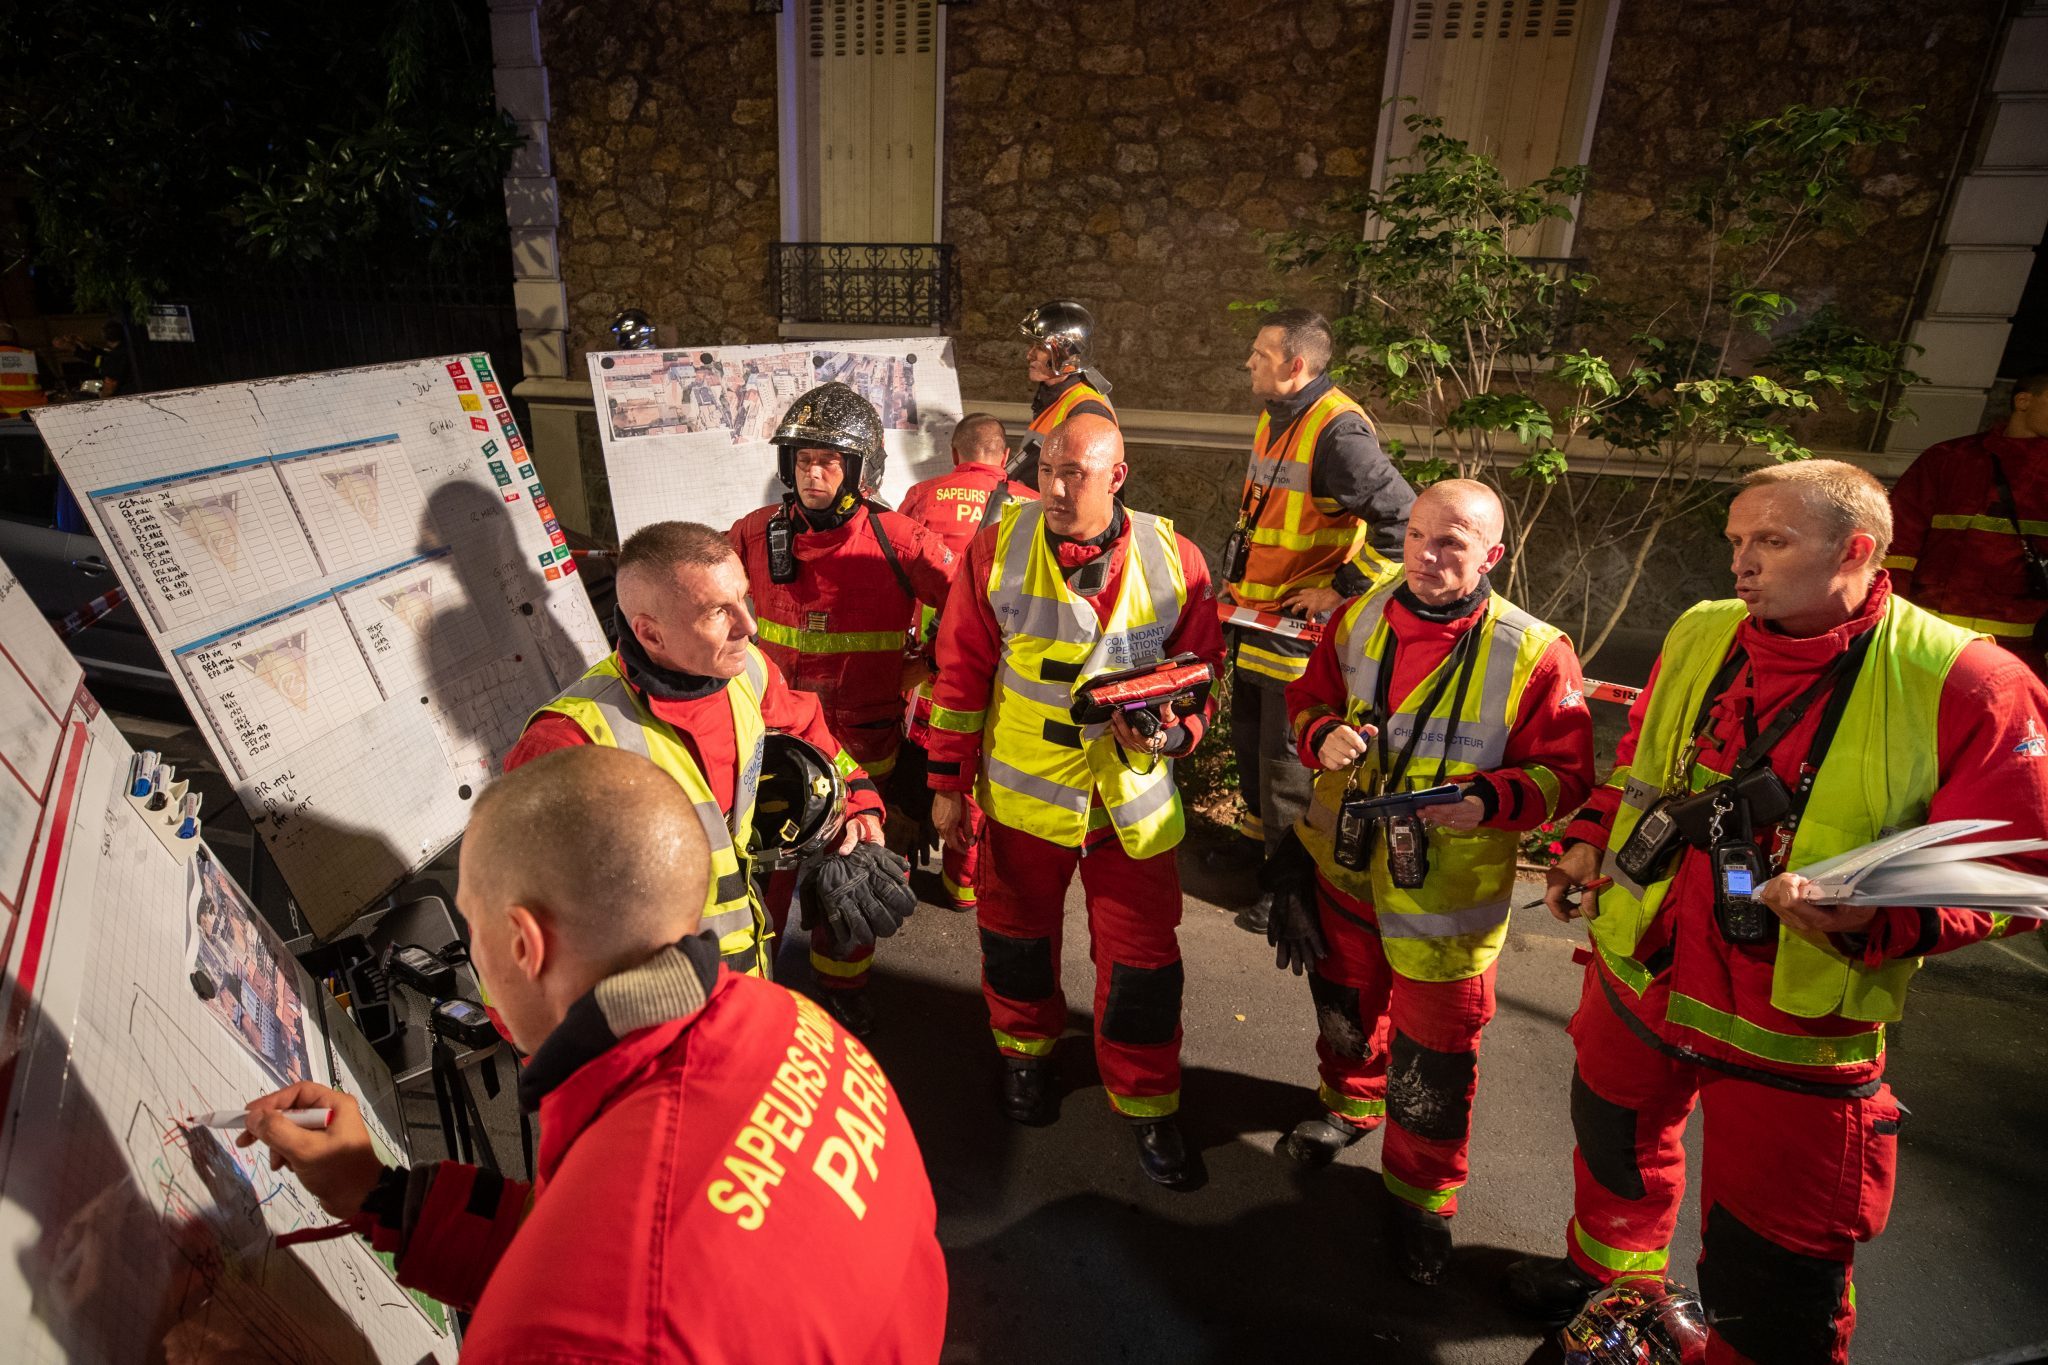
x,y
1060,1250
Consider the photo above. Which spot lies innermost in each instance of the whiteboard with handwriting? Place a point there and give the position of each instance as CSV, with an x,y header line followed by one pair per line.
x,y
359,586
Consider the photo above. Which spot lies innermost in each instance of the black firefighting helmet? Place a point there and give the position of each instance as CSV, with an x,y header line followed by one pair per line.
x,y
1066,327
832,417
1637,1322
632,330
801,802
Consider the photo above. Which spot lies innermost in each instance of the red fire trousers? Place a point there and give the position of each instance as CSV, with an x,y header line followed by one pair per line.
x,y
1789,1184
1399,1051
834,968
1133,910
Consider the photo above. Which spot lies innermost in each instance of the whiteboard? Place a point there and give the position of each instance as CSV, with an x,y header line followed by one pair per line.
x,y
124,1235
686,431
358,585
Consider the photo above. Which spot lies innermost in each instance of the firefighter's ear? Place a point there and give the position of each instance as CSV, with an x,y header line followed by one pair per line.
x,y
529,941
647,630
1117,475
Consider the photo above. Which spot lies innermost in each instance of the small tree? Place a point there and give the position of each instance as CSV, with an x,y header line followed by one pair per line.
x,y
1449,321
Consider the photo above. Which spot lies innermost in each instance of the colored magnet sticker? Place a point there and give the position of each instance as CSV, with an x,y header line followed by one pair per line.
x,y
547,557
490,448
455,368
479,424
568,567
490,387
558,538
462,384
561,552
472,403
526,471
554,573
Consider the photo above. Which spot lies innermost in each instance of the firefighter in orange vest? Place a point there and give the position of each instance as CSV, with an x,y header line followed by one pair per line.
x,y
1062,334
836,581
953,506
1970,528
1322,519
20,390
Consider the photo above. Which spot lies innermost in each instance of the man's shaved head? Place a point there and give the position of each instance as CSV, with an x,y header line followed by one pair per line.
x,y
980,439
1079,473
1469,501
599,844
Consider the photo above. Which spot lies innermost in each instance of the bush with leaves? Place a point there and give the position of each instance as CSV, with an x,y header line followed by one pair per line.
x,y
1449,322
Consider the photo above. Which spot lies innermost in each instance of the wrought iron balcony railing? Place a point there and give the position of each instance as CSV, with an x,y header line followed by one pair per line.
x,y
876,284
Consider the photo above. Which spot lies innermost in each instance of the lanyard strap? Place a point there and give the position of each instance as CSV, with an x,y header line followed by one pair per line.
x,y
2012,513
1463,656
1849,667
1249,511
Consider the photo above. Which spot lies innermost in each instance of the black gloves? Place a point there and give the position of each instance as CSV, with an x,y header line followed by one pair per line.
x,y
1293,926
859,897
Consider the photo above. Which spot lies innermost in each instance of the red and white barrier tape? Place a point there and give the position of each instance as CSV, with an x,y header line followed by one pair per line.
x,y
107,602
1294,627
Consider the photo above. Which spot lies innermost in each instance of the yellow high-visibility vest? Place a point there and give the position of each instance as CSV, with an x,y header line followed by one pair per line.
x,y
1041,773
1453,925
614,715
1879,773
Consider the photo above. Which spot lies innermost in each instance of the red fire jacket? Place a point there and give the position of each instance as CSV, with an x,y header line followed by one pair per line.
x,y
951,505
970,645
1553,730
1954,551
704,723
703,1136
1991,740
842,628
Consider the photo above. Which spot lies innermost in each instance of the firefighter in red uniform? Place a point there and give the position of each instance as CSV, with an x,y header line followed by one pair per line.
x,y
1799,721
1430,680
1062,334
688,689
1057,592
836,581
701,1132
954,507
1970,528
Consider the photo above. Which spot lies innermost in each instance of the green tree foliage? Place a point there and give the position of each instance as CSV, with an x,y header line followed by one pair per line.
x,y
169,144
1451,324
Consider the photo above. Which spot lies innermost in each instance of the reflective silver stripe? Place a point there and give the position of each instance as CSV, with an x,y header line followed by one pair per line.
x,y
1361,670
1158,575
739,916
1292,475
1059,695
1638,795
1320,816
1480,744
1043,789
1145,803
1008,595
757,672
1476,919
750,780
629,733
1046,618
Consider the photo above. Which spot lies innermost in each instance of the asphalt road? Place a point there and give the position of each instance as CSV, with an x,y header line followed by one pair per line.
x,y
1059,1249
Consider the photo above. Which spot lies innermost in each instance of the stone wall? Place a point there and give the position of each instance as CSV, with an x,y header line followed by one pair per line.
x,y
1679,73
1129,155
664,137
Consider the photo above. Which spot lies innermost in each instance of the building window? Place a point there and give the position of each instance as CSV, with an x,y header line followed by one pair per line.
x,y
1518,79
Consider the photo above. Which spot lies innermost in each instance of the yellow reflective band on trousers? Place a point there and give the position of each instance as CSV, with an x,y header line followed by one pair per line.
x,y
1031,778
1297,541
1430,1201
1145,1106
613,715
833,967
1795,1049
1285,667
1024,1047
830,641
1880,773
1615,1259
1452,926
1346,1107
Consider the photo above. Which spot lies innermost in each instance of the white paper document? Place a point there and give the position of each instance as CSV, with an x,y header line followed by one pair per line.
x,y
1938,864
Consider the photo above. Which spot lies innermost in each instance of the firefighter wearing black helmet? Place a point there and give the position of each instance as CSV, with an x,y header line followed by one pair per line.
x,y
836,581
1062,336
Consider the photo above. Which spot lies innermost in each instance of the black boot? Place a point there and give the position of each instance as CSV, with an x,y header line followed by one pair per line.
x,y
1027,1099
1549,1288
1163,1154
1237,856
852,1009
1425,1242
1254,917
1316,1141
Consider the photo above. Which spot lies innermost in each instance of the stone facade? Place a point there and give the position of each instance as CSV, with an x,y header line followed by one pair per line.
x,y
664,134
1130,155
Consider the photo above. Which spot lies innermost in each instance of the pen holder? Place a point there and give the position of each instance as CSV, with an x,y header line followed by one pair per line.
x,y
169,807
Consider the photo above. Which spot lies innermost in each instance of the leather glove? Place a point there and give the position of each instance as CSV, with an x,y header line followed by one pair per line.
x,y
859,896
1294,926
